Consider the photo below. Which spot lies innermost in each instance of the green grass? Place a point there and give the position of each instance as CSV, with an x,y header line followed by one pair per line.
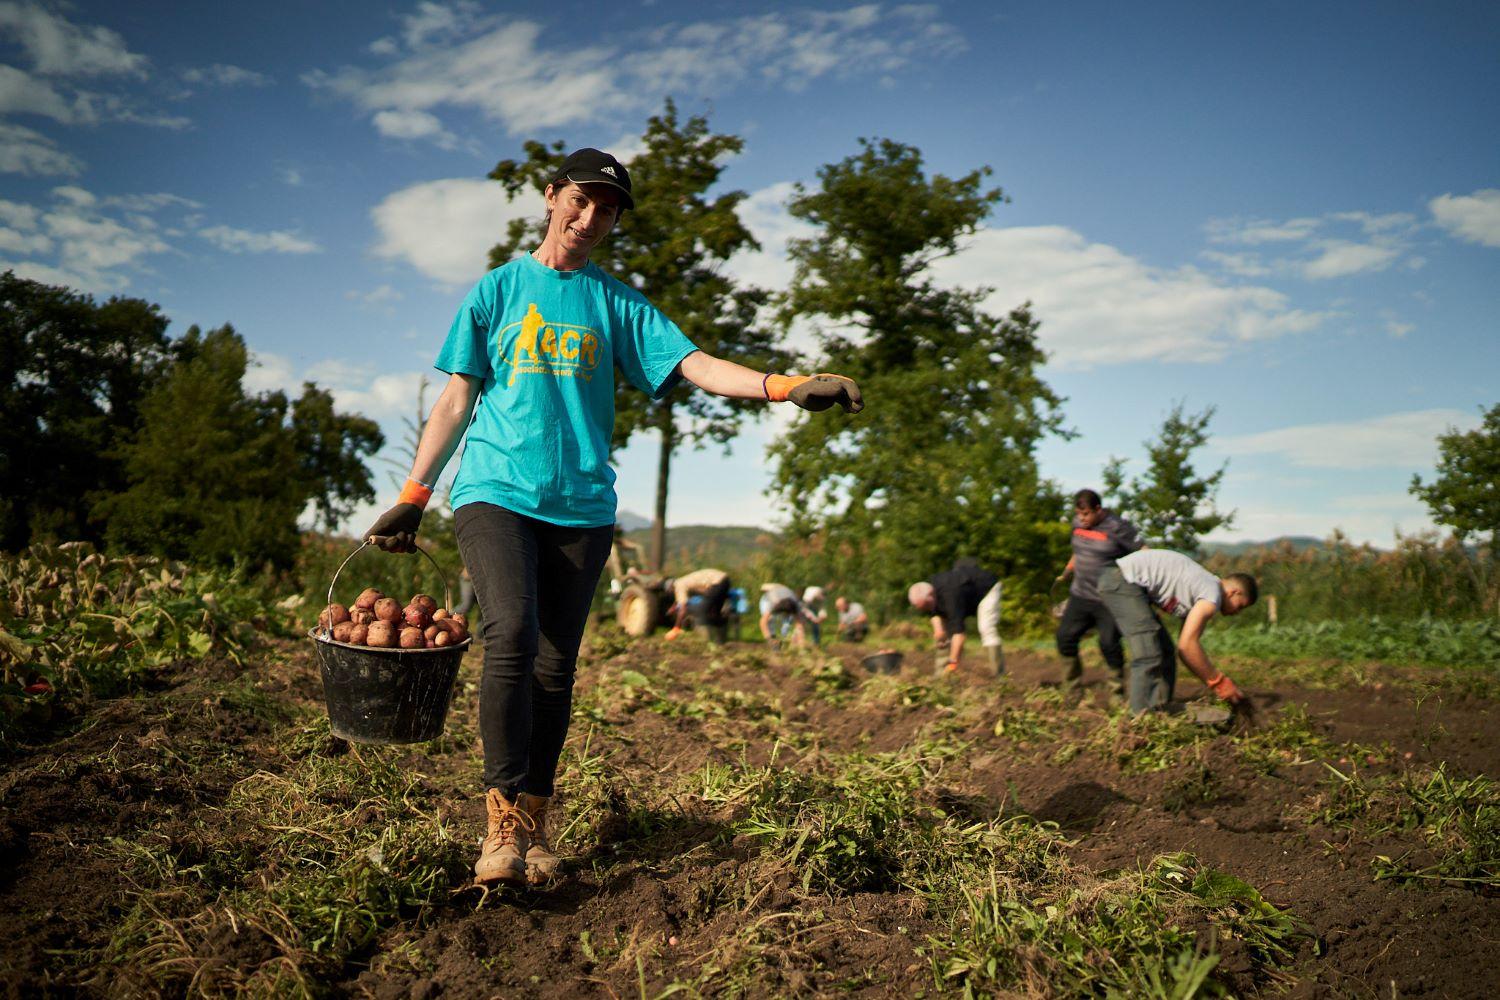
x,y
1455,820
1412,640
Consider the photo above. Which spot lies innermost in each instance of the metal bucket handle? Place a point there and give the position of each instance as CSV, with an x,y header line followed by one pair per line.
x,y
447,589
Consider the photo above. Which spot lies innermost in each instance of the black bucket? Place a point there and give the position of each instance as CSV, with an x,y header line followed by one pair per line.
x,y
888,662
379,695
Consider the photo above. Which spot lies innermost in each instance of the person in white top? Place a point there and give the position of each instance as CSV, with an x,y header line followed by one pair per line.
x,y
1177,585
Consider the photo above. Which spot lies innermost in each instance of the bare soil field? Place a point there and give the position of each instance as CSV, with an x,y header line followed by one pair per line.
x,y
741,822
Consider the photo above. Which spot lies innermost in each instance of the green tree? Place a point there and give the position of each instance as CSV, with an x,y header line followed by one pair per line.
x,y
1465,493
1172,505
942,463
220,476
673,248
72,377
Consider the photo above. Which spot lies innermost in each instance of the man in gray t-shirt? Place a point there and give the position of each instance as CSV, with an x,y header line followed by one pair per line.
x,y
1174,583
1099,538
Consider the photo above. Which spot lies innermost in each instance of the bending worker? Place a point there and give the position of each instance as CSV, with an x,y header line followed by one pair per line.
x,y
710,585
780,601
1177,585
854,624
1099,538
949,598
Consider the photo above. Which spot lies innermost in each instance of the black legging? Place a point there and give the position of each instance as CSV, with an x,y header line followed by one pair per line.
x,y
534,581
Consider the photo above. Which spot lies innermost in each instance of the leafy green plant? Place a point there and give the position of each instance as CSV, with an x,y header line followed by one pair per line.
x,y
93,625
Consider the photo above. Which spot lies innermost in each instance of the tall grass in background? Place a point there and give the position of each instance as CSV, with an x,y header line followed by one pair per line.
x,y
1423,576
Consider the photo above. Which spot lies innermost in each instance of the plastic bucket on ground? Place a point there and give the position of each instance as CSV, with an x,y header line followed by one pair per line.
x,y
377,695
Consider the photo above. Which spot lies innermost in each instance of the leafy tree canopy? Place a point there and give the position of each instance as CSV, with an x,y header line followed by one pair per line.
x,y
942,463
1465,493
72,377
1172,505
217,475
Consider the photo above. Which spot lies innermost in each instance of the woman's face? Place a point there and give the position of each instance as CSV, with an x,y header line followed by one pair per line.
x,y
582,215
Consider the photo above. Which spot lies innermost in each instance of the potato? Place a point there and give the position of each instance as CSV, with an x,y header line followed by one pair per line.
x,y
443,639
460,619
387,610
431,630
342,630
425,601
382,635
431,644
440,614
361,616
417,615
358,634
332,615
367,598
454,629
412,638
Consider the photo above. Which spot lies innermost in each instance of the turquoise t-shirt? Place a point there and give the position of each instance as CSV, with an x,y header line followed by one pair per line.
x,y
546,344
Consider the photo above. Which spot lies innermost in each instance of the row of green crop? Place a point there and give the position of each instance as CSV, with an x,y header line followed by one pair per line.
x,y
77,624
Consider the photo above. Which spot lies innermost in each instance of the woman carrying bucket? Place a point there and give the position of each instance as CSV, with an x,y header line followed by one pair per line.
x,y
535,345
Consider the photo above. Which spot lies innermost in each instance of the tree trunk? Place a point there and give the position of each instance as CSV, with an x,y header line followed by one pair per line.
x,y
663,471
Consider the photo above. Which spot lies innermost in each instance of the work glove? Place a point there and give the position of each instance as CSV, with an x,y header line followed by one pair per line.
x,y
1225,688
396,529
815,392
673,633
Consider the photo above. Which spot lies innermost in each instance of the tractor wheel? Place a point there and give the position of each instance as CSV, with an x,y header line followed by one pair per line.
x,y
640,609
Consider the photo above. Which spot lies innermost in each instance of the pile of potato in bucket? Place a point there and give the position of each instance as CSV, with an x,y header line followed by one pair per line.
x,y
382,623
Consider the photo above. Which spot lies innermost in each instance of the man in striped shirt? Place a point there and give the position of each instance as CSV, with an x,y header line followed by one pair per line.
x,y
1099,538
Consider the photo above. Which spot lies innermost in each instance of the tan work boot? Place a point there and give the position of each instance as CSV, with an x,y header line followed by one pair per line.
x,y
996,655
541,863
502,857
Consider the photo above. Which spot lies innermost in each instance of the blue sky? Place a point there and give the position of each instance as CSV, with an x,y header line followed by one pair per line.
x,y
1290,212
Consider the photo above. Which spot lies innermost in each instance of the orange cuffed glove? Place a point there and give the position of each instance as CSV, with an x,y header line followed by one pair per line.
x,y
396,529
673,633
815,392
1224,688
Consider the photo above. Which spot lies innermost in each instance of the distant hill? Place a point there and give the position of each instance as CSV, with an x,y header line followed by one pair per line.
x,y
731,548
631,521
1297,542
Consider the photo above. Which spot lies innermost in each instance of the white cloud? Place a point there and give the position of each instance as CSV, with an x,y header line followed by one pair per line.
x,y
233,240
1098,305
1472,217
23,151
225,75
409,125
1397,440
23,94
268,372
435,21
1317,248
95,244
445,228
1338,259
58,47
764,213
500,67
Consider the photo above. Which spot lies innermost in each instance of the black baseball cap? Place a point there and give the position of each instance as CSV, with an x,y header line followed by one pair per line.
x,y
594,166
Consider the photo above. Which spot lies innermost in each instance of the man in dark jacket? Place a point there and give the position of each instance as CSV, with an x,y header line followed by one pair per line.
x,y
965,590
1099,538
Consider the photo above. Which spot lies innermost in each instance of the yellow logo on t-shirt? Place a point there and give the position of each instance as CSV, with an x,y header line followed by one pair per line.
x,y
542,347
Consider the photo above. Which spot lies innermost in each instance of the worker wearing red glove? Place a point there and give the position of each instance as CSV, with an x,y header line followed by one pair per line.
x,y
1179,586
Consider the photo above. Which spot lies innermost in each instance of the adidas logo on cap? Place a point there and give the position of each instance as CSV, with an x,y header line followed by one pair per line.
x,y
608,170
